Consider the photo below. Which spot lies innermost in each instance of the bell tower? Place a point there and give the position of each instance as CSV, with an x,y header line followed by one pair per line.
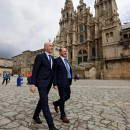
x,y
67,12
107,26
105,14
106,8
66,22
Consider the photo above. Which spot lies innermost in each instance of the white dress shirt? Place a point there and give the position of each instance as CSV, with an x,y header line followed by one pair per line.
x,y
64,62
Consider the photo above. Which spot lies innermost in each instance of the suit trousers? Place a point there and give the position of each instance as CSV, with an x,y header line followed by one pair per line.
x,y
43,105
64,93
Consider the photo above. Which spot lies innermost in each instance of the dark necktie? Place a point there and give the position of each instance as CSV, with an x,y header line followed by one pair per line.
x,y
50,59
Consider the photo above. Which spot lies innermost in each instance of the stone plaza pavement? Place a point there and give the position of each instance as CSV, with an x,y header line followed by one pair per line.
x,y
94,105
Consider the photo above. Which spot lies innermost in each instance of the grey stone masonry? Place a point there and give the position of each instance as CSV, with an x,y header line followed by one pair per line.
x,y
94,105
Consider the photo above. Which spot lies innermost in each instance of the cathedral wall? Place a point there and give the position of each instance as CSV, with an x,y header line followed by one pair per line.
x,y
126,52
112,52
56,51
91,73
94,44
117,70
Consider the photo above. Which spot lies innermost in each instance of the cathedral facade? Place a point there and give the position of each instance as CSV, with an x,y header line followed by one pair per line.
x,y
97,46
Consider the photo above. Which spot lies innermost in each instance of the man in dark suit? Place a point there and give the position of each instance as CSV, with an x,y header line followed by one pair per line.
x,y
62,81
42,78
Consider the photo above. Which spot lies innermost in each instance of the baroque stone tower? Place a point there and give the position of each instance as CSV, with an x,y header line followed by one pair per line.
x,y
107,26
66,21
92,43
76,29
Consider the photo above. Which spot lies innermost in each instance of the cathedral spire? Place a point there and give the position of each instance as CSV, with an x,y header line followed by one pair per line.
x,y
68,4
68,1
81,2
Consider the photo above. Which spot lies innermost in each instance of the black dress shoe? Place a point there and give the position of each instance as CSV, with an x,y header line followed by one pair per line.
x,y
38,120
53,128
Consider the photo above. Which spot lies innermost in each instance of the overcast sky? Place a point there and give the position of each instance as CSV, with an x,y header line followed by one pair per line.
x,y
28,24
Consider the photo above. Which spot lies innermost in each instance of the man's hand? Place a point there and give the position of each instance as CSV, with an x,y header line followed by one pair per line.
x,y
33,89
55,87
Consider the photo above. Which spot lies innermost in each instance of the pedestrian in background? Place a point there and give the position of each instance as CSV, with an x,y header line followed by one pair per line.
x,y
75,77
5,78
29,74
78,76
19,80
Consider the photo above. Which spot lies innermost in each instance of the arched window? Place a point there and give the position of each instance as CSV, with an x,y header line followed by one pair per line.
x,y
81,38
82,56
125,36
79,60
93,52
84,52
111,34
71,41
107,35
80,52
67,15
93,36
81,10
81,28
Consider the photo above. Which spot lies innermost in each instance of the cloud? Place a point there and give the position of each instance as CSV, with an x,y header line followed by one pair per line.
x,y
28,24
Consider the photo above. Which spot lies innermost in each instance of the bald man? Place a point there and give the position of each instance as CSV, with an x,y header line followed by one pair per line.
x,y
42,79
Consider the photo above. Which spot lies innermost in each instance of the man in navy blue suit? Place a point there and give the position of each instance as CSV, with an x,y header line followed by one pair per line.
x,y
42,78
62,81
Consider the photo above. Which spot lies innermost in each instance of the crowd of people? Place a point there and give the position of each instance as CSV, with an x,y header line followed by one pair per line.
x,y
6,78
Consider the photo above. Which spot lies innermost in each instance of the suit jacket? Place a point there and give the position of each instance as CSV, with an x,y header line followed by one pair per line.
x,y
42,73
60,75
